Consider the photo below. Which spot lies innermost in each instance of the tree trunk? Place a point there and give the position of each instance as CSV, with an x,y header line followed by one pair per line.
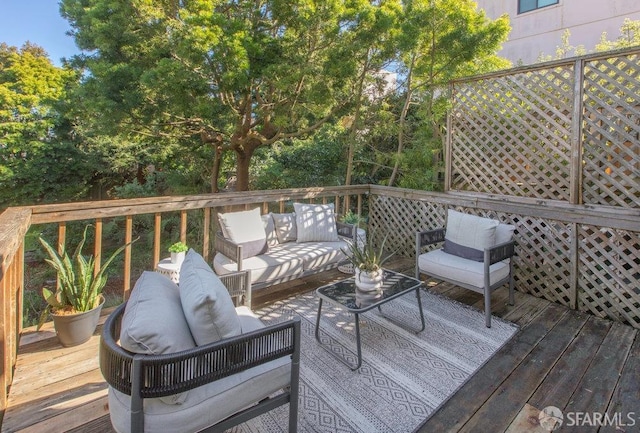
x,y
215,172
243,162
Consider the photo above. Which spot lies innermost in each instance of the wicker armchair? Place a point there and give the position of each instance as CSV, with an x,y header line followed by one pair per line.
x,y
155,376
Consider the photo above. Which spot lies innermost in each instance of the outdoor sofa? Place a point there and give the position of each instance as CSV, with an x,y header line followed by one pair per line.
x,y
278,247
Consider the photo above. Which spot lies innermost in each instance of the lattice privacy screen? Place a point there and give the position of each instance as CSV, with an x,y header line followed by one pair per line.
x,y
512,134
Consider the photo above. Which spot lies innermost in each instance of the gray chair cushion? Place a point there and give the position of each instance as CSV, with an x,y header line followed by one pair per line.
x,y
315,222
153,322
206,302
468,235
155,296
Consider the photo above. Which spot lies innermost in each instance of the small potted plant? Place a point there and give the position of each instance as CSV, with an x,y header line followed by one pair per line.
x,y
178,251
76,302
367,262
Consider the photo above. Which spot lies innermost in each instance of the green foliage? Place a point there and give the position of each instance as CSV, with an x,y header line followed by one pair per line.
x,y
79,289
629,37
178,247
34,132
317,161
351,217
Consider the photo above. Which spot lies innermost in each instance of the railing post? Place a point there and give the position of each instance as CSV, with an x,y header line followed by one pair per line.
x,y
575,193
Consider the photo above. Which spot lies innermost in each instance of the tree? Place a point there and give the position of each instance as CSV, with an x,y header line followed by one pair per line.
x,y
629,37
33,145
236,75
442,40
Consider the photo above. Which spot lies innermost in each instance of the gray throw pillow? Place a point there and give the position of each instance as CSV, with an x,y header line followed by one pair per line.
x,y
153,323
206,302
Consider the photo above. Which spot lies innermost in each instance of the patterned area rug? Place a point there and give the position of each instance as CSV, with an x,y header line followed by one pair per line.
x,y
404,376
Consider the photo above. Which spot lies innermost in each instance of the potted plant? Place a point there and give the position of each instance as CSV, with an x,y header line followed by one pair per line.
x,y
178,251
76,302
350,217
367,262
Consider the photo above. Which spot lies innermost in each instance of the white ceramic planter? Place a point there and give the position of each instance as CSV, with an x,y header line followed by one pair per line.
x,y
368,281
177,258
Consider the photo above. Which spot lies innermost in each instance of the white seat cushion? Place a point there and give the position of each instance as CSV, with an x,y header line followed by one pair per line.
x,y
317,254
278,263
440,264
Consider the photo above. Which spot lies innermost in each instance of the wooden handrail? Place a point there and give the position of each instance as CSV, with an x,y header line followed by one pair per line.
x,y
15,222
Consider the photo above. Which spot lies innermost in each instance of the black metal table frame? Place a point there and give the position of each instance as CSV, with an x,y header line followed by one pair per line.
x,y
357,313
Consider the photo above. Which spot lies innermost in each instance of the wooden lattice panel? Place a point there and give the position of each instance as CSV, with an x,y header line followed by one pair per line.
x,y
511,134
610,274
611,143
543,262
399,219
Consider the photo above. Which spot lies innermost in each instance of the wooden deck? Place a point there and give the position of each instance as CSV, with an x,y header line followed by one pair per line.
x,y
560,358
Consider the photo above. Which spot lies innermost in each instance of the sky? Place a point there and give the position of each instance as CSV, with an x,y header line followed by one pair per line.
x,y
39,22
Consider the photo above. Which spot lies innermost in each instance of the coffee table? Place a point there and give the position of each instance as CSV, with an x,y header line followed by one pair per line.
x,y
344,294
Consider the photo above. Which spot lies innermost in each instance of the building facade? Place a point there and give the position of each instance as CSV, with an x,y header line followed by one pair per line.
x,y
537,26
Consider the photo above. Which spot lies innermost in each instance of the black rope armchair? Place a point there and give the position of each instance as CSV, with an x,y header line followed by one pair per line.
x,y
150,376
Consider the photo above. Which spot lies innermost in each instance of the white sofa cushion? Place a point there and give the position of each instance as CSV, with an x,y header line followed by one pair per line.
x,y
277,263
317,254
245,228
315,222
285,224
468,235
208,404
443,265
206,302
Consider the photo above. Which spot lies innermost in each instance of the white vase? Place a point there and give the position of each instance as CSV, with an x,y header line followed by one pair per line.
x,y
177,258
368,281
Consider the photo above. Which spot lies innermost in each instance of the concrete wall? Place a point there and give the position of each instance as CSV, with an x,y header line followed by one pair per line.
x,y
540,31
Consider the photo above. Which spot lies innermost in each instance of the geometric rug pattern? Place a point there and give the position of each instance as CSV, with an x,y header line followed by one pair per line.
x,y
405,376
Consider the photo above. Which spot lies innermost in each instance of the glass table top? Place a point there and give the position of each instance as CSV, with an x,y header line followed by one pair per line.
x,y
346,294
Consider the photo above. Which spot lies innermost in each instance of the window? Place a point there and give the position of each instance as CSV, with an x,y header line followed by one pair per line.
x,y
530,5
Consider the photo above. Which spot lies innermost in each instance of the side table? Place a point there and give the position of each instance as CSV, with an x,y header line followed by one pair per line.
x,y
170,270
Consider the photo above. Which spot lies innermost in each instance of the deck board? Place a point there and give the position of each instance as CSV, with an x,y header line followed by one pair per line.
x,y
559,357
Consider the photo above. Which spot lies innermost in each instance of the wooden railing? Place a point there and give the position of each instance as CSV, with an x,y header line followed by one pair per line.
x,y
582,256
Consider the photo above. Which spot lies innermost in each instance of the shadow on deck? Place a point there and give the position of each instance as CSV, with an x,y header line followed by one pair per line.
x,y
560,357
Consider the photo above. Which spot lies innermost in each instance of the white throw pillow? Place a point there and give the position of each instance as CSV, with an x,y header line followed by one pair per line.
x,y
247,229
206,302
316,222
270,230
285,223
468,235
